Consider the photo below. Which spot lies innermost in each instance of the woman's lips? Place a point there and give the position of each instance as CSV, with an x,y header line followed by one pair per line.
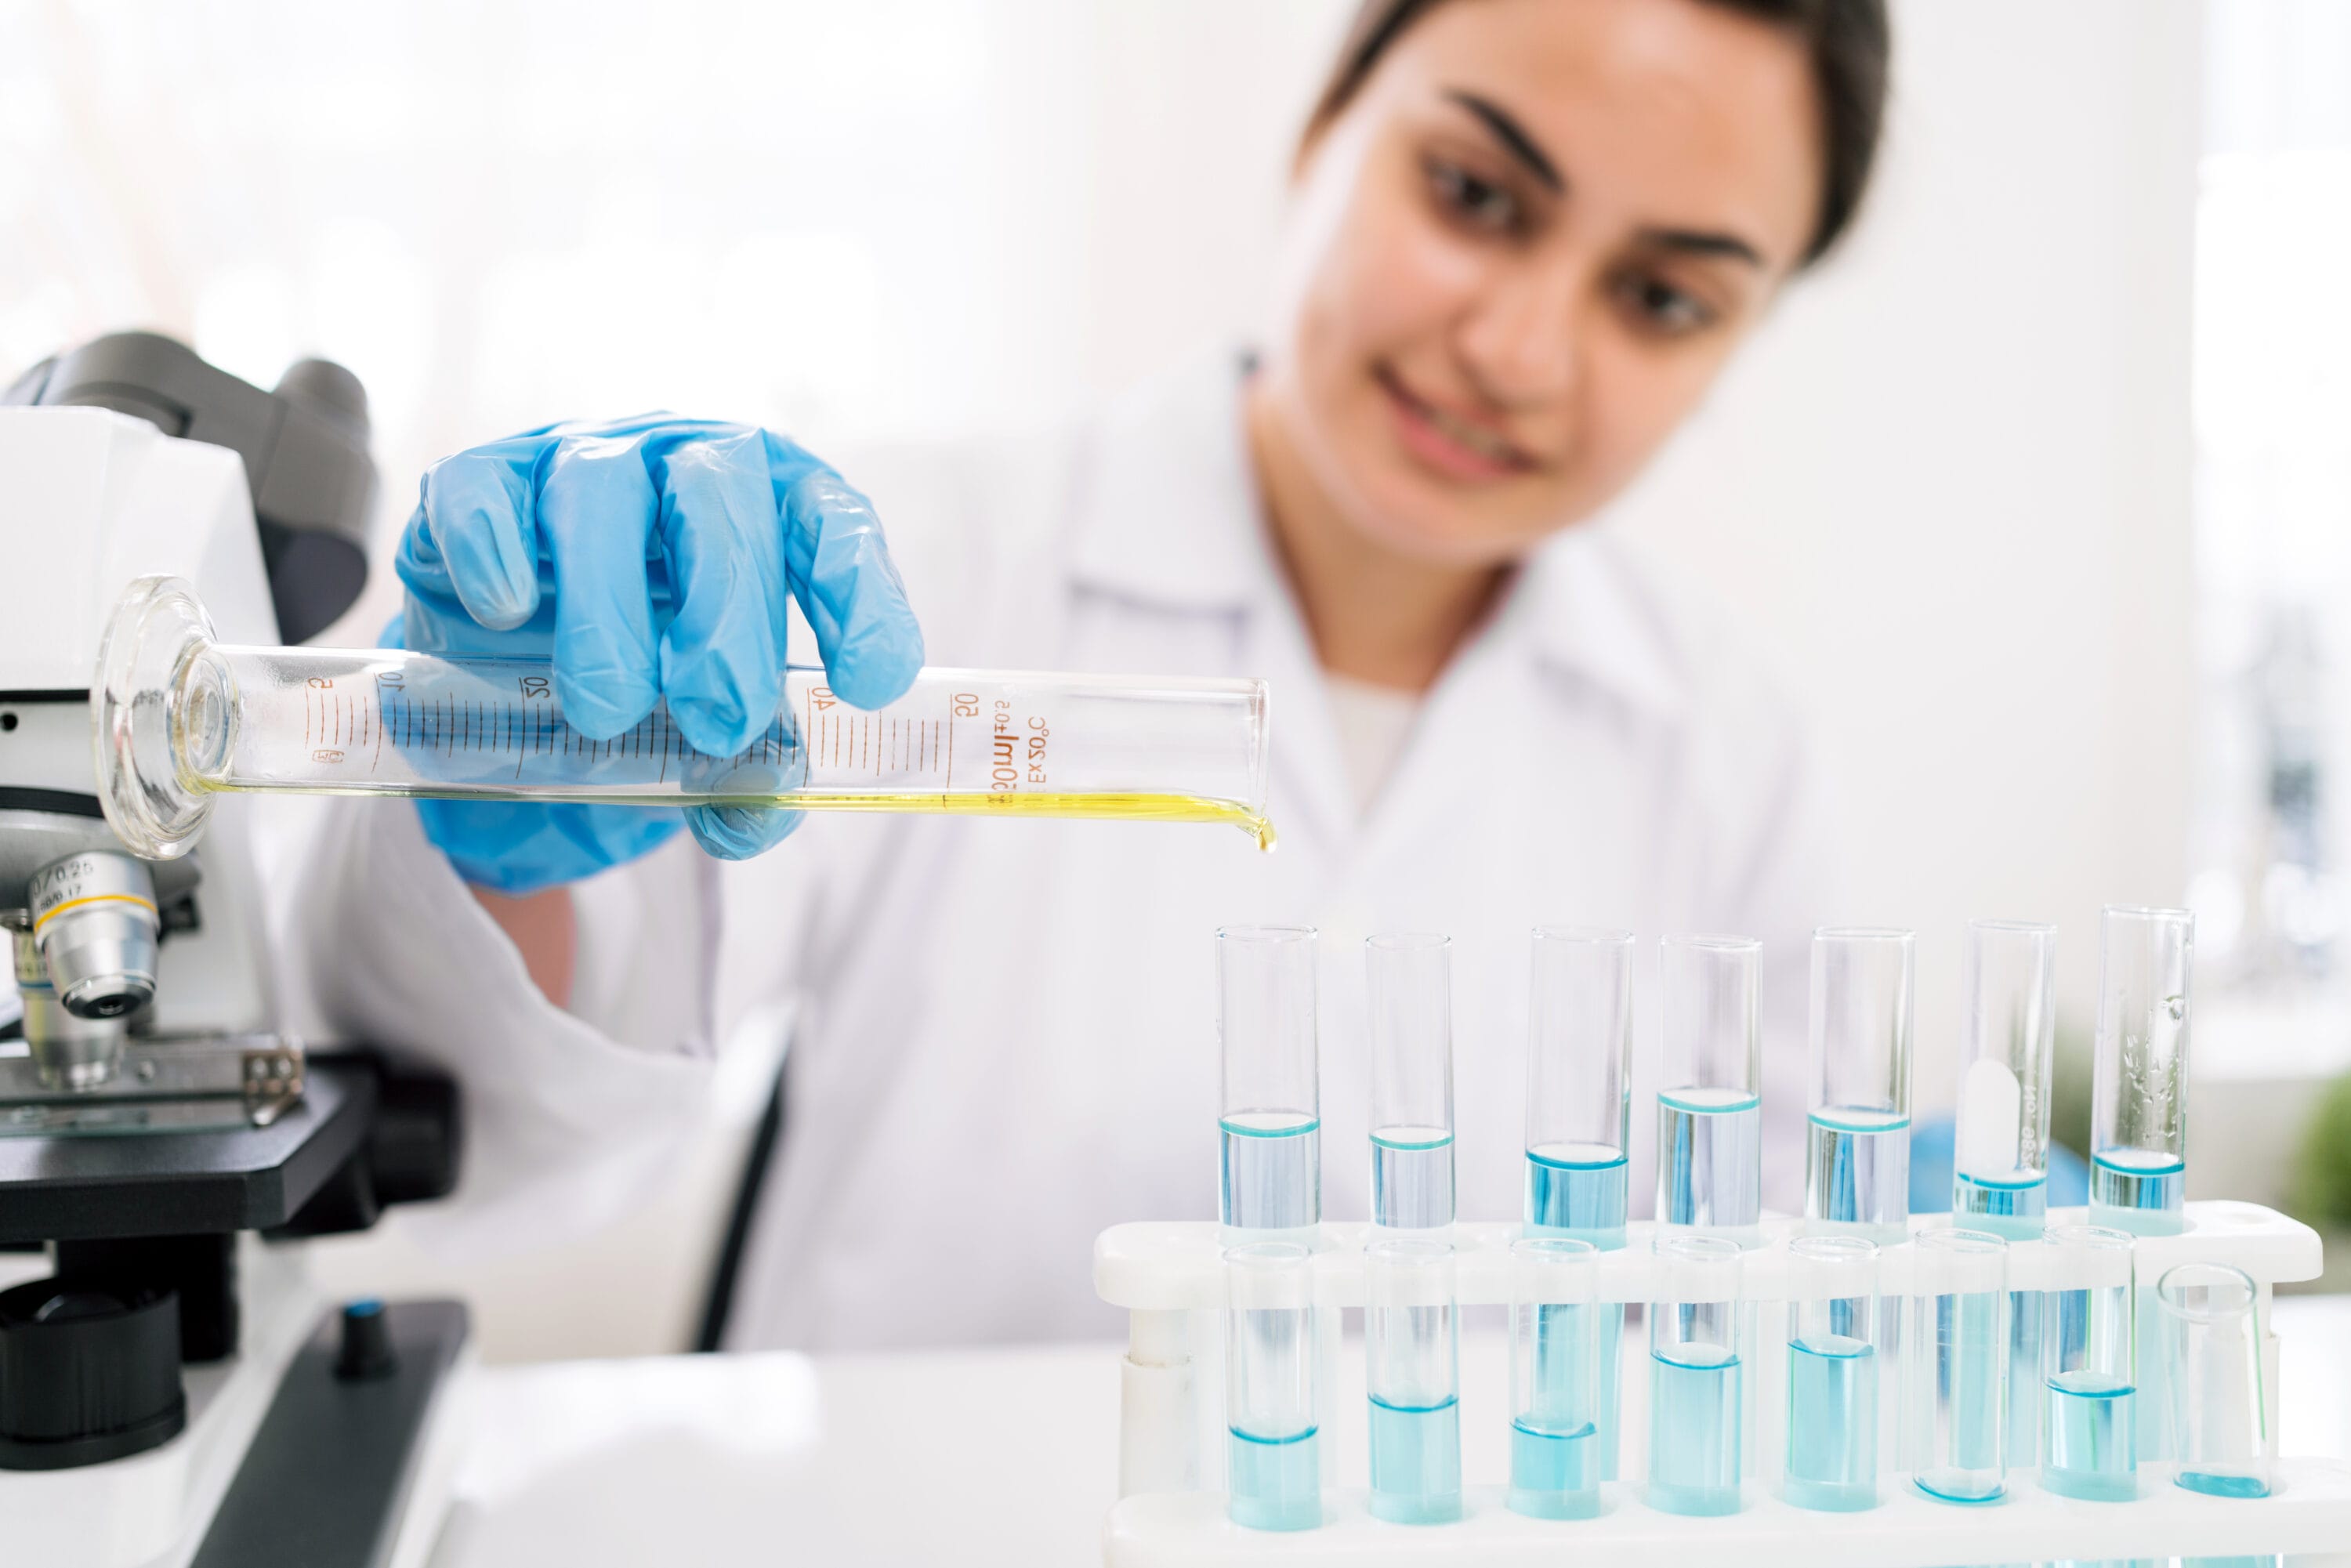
x,y
1454,446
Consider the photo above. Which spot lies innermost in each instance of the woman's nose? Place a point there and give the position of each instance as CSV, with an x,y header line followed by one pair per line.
x,y
1524,341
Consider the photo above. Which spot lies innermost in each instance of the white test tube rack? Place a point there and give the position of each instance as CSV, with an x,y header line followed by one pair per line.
x,y
1171,1513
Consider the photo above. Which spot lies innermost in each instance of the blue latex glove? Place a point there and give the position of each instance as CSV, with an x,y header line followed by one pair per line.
x,y
647,558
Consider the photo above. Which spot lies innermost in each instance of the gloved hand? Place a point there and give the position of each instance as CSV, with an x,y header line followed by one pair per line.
x,y
648,558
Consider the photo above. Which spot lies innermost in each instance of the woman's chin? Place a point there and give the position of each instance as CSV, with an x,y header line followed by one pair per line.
x,y
1443,525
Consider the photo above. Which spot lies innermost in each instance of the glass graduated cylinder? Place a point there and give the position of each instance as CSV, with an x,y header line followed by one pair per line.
x,y
182,717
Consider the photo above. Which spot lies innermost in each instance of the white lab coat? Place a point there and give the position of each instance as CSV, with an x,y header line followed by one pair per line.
x,y
1003,1032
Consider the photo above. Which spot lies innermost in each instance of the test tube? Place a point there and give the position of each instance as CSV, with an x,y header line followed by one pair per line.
x,y
2219,1430
1711,1106
1857,1150
1695,1417
2008,1029
1832,1340
2139,1108
1271,1147
2090,1447
1960,1318
1579,1070
1273,1469
1411,985
1555,1378
1412,1368
1579,1114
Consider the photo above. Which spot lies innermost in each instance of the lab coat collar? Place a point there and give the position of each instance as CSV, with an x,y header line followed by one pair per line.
x,y
1589,608
1169,512
1170,515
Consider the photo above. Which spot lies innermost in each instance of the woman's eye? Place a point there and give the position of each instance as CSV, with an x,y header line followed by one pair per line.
x,y
1662,308
1482,201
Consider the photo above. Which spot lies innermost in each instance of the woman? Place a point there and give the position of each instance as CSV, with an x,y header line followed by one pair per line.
x,y
1526,236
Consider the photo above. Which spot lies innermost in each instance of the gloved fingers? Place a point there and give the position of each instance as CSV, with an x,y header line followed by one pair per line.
x,y
596,508
724,651
475,539
738,832
850,589
519,847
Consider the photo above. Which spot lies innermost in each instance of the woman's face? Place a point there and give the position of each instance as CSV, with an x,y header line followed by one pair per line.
x,y
1522,252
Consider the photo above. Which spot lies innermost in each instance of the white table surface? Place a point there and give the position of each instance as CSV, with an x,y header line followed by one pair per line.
x,y
979,1457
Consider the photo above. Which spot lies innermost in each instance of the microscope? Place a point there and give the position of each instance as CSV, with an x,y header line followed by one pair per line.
x,y
173,1392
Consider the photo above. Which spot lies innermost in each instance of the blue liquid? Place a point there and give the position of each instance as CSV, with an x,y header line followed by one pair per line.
x,y
2011,1209
1857,1170
1966,1459
1554,1473
1710,1159
1832,1423
1416,1462
2138,1190
1412,1177
2093,1438
1577,1190
2212,1485
1270,1171
1693,1421
1276,1482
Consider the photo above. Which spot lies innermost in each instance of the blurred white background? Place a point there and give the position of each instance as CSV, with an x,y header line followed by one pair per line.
x,y
1951,483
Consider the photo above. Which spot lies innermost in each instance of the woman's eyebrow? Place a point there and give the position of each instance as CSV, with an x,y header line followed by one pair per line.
x,y
1512,136
1701,242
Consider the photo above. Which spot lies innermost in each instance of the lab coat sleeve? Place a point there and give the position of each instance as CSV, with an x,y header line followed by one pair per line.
x,y
568,1115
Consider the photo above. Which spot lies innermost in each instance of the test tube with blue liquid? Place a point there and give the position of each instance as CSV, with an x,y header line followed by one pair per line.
x,y
2008,1031
1579,1115
1555,1382
1857,1147
2000,1165
1959,1308
2210,1335
1833,1359
1270,1146
1696,1417
1832,1374
2090,1446
1412,1365
1710,1107
1410,981
1274,1463
2138,1107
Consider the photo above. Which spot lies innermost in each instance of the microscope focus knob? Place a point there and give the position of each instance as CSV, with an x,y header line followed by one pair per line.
x,y
95,925
90,1370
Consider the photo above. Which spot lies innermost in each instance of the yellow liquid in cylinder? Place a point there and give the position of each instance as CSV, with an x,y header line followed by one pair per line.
x,y
1120,808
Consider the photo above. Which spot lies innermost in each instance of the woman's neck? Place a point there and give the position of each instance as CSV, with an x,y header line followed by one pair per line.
x,y
1373,614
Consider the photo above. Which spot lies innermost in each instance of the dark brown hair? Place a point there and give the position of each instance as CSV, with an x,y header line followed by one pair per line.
x,y
1847,41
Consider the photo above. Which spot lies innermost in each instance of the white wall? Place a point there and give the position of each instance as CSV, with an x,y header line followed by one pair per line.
x,y
1948,483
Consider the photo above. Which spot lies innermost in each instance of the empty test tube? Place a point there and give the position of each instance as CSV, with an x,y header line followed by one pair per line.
x,y
1412,1366
1579,1114
1857,1145
1960,1319
1696,1415
2138,1109
2210,1342
1410,981
1273,1466
2089,1348
1833,1359
1271,1145
1710,1104
1555,1378
2000,1165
